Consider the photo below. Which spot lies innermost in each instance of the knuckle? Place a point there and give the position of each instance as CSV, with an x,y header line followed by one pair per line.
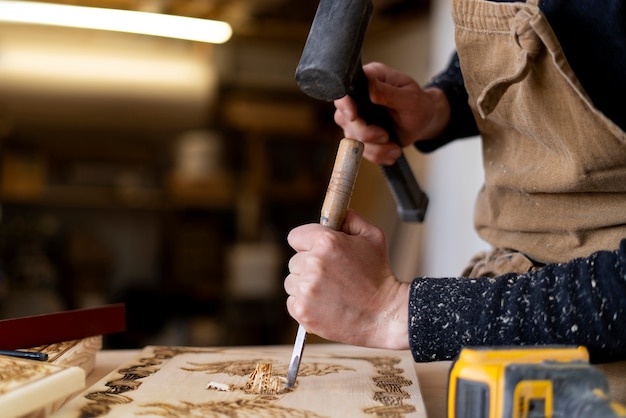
x,y
327,244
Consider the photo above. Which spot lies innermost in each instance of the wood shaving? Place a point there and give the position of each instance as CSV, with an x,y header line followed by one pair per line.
x,y
224,387
262,382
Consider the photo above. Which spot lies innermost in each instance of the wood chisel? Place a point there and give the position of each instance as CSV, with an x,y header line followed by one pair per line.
x,y
333,213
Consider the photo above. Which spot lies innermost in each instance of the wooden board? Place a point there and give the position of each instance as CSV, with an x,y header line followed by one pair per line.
x,y
334,381
81,353
30,386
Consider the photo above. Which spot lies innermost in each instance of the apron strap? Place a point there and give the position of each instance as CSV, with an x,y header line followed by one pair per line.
x,y
529,46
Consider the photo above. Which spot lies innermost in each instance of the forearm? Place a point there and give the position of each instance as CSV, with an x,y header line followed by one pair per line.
x,y
579,302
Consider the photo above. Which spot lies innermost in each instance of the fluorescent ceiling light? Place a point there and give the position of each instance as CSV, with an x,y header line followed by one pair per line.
x,y
170,26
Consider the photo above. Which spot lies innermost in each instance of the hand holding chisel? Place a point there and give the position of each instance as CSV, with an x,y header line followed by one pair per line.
x,y
333,213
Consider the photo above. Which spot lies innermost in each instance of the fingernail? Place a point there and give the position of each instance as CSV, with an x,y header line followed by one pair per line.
x,y
395,153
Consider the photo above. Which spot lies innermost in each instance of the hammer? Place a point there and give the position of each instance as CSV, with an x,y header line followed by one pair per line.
x,y
330,68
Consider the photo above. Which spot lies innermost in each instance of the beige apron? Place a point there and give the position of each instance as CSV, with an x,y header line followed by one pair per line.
x,y
555,166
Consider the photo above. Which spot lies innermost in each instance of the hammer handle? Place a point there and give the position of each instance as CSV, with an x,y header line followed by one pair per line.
x,y
411,201
341,183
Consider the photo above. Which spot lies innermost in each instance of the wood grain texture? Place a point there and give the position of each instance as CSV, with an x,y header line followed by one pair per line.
x,y
30,388
81,353
334,381
341,183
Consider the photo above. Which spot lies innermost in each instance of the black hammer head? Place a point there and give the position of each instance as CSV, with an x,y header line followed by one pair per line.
x,y
333,48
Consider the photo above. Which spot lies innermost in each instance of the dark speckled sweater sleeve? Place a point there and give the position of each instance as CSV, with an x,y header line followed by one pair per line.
x,y
580,302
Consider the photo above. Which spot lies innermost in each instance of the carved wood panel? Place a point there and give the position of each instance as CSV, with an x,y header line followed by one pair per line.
x,y
334,381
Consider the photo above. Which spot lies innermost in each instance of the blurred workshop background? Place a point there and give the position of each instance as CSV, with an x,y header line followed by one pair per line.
x,y
166,173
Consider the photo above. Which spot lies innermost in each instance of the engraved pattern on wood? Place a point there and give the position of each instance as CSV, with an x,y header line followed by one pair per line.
x,y
246,408
392,394
32,389
245,367
171,381
81,353
14,372
103,401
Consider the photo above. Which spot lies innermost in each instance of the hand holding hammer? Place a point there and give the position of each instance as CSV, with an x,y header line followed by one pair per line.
x,y
330,68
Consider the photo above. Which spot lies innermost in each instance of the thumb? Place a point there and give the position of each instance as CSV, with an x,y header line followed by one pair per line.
x,y
355,224
347,107
385,94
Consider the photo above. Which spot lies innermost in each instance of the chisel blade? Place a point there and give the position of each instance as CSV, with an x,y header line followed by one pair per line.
x,y
296,356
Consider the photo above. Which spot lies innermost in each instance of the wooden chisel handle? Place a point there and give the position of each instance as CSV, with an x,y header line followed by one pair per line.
x,y
341,183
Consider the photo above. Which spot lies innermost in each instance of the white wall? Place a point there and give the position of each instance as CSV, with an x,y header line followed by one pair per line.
x,y
451,176
454,177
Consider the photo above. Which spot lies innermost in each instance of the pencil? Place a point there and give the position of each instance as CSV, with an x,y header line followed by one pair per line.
x,y
32,355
